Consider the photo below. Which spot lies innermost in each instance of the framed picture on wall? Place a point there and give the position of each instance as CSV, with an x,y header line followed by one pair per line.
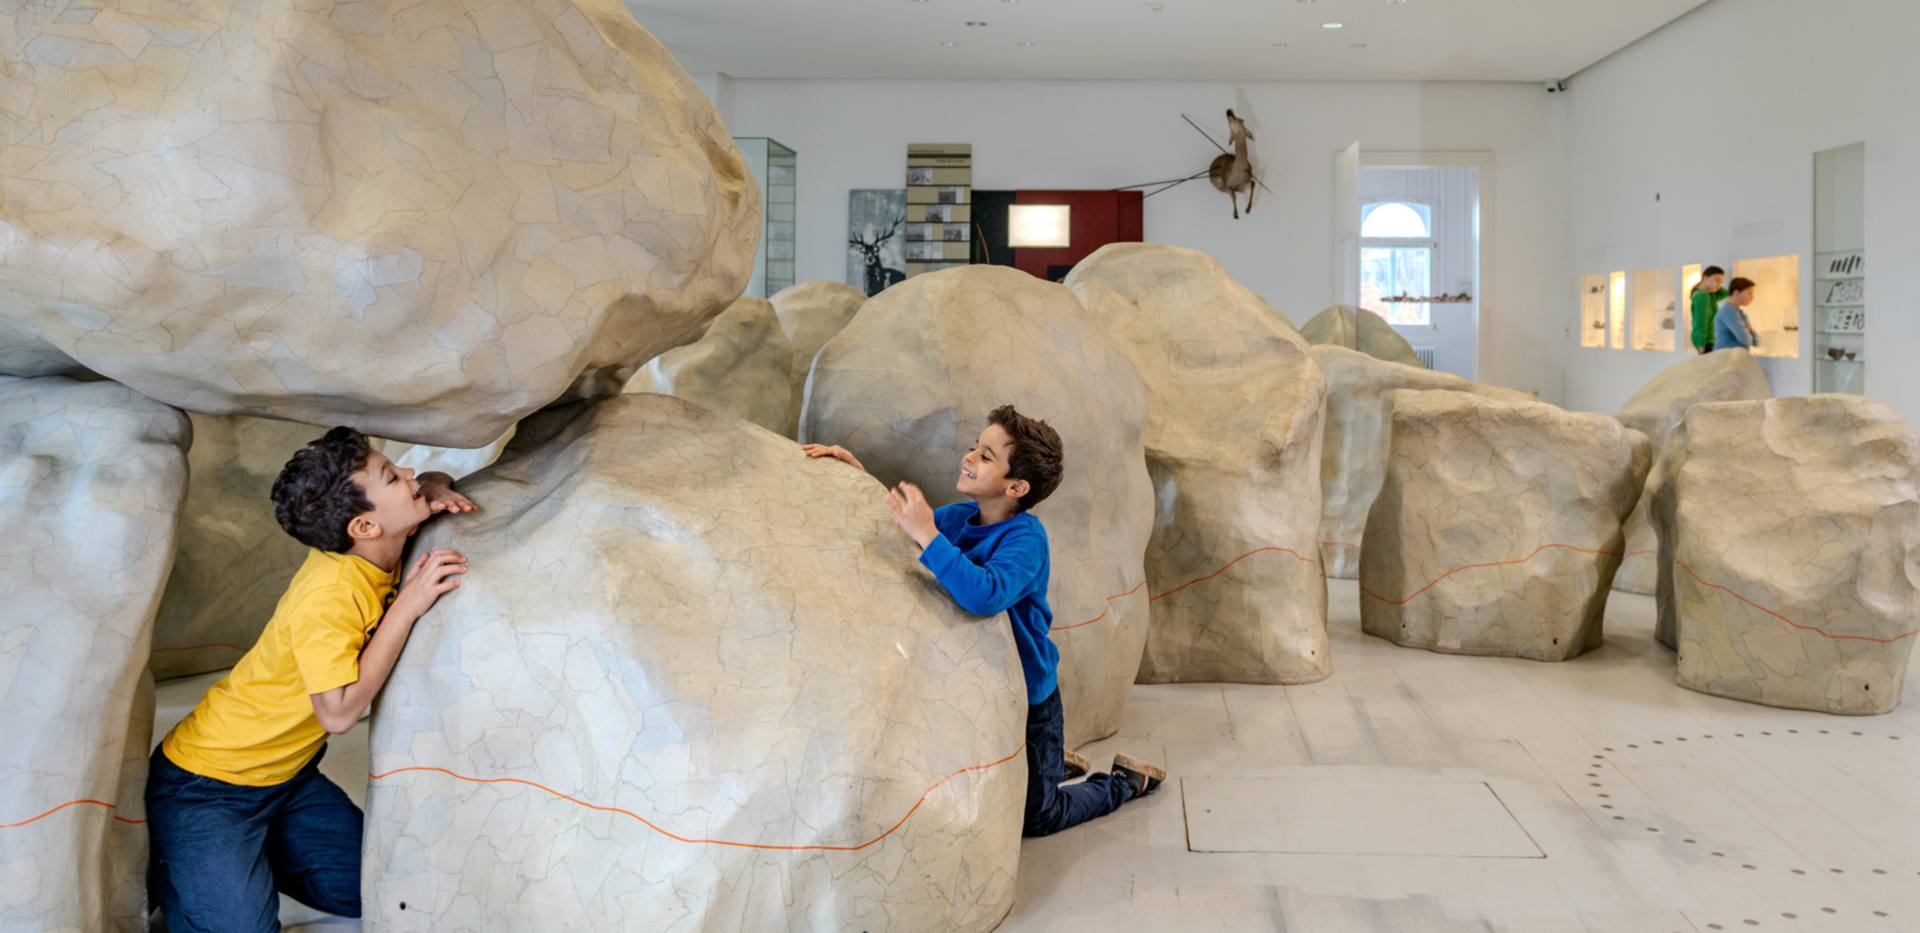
x,y
876,238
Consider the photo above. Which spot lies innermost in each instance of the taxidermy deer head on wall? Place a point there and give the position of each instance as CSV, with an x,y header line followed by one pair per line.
x,y
1233,173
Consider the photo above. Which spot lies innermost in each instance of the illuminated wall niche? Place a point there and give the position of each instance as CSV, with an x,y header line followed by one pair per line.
x,y
1775,312
1690,275
1593,310
1617,310
1656,313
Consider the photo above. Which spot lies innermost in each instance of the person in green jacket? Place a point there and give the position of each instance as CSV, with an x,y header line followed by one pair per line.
x,y
1707,296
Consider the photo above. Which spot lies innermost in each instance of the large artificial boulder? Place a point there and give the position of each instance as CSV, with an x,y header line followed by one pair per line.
x,y
1353,458
234,559
810,314
1361,330
1790,552
425,219
739,368
693,681
1233,448
92,477
1497,530
907,387
1720,376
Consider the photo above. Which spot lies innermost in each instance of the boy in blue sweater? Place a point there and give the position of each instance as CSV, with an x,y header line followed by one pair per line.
x,y
991,555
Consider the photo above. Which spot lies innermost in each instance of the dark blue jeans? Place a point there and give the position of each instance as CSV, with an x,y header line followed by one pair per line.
x,y
1050,807
221,851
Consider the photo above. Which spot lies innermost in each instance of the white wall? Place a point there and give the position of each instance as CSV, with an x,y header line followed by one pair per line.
x,y
1720,114
1103,134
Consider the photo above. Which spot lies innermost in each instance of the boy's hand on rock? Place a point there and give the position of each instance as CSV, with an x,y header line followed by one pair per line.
x,y
433,574
912,513
816,451
441,496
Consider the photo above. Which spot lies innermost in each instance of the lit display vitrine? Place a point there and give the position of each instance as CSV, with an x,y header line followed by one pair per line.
x,y
1775,311
1617,310
1656,313
1840,270
1593,310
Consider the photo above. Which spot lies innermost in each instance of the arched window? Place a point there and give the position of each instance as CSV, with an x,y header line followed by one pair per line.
x,y
1396,261
1396,219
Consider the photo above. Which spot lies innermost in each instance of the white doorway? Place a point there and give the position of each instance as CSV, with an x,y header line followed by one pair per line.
x,y
1421,258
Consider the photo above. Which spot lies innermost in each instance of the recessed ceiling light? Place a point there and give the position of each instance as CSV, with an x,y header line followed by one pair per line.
x,y
1279,45
948,45
1333,25
1357,45
1026,45
1156,7
977,23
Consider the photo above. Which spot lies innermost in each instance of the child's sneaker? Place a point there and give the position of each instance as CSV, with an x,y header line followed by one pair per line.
x,y
1077,764
1141,777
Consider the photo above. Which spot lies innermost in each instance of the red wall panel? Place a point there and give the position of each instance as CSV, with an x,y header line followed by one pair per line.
x,y
1097,218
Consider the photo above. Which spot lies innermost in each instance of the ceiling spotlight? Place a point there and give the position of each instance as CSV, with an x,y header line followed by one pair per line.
x,y
1333,25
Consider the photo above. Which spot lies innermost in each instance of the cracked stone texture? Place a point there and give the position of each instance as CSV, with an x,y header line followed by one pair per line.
x,y
1353,458
810,314
676,614
907,387
1362,330
425,220
1720,376
1791,552
739,368
1233,448
234,560
1498,527
92,478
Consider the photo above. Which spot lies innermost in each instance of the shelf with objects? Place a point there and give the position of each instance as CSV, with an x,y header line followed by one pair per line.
x,y
1775,311
1840,270
1591,290
774,167
1656,310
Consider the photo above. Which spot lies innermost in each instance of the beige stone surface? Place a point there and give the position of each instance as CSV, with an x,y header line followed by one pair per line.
x,y
810,314
1353,457
424,219
1233,447
907,387
762,714
739,368
234,560
92,477
1362,330
1721,376
1498,527
1791,552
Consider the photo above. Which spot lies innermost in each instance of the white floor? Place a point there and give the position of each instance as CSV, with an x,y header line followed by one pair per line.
x,y
1592,795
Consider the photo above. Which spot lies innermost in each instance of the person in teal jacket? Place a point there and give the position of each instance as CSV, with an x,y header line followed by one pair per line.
x,y
1707,296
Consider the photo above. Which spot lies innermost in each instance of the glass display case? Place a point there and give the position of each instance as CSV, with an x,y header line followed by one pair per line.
x,y
1840,270
1593,310
773,166
1690,275
1656,313
1775,311
1617,310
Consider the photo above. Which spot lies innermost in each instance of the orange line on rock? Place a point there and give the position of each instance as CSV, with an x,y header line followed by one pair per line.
x,y
1495,563
1229,565
709,842
1809,628
72,803
1104,610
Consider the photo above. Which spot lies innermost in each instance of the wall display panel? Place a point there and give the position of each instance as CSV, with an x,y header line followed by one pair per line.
x,y
1656,309
1775,311
1840,270
1593,310
1617,310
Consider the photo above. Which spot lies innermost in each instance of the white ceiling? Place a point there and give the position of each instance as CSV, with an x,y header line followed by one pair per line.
x,y
1233,40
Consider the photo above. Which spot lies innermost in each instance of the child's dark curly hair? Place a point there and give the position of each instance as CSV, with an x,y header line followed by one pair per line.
x,y
1036,453
315,496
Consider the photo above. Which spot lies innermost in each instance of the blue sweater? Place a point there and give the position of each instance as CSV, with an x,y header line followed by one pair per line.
x,y
1000,568
1730,329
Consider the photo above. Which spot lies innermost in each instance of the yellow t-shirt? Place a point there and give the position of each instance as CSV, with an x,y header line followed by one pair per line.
x,y
256,726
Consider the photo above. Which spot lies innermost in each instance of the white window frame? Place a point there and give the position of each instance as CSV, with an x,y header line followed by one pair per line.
x,y
1430,243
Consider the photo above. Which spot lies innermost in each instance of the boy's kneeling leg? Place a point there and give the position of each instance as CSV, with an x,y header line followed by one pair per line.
x,y
314,845
1050,807
208,868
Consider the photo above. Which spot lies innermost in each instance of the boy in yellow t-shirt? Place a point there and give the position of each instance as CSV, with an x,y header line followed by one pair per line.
x,y
236,806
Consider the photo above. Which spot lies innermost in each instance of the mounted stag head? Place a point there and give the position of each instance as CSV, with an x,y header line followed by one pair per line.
x,y
1234,173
